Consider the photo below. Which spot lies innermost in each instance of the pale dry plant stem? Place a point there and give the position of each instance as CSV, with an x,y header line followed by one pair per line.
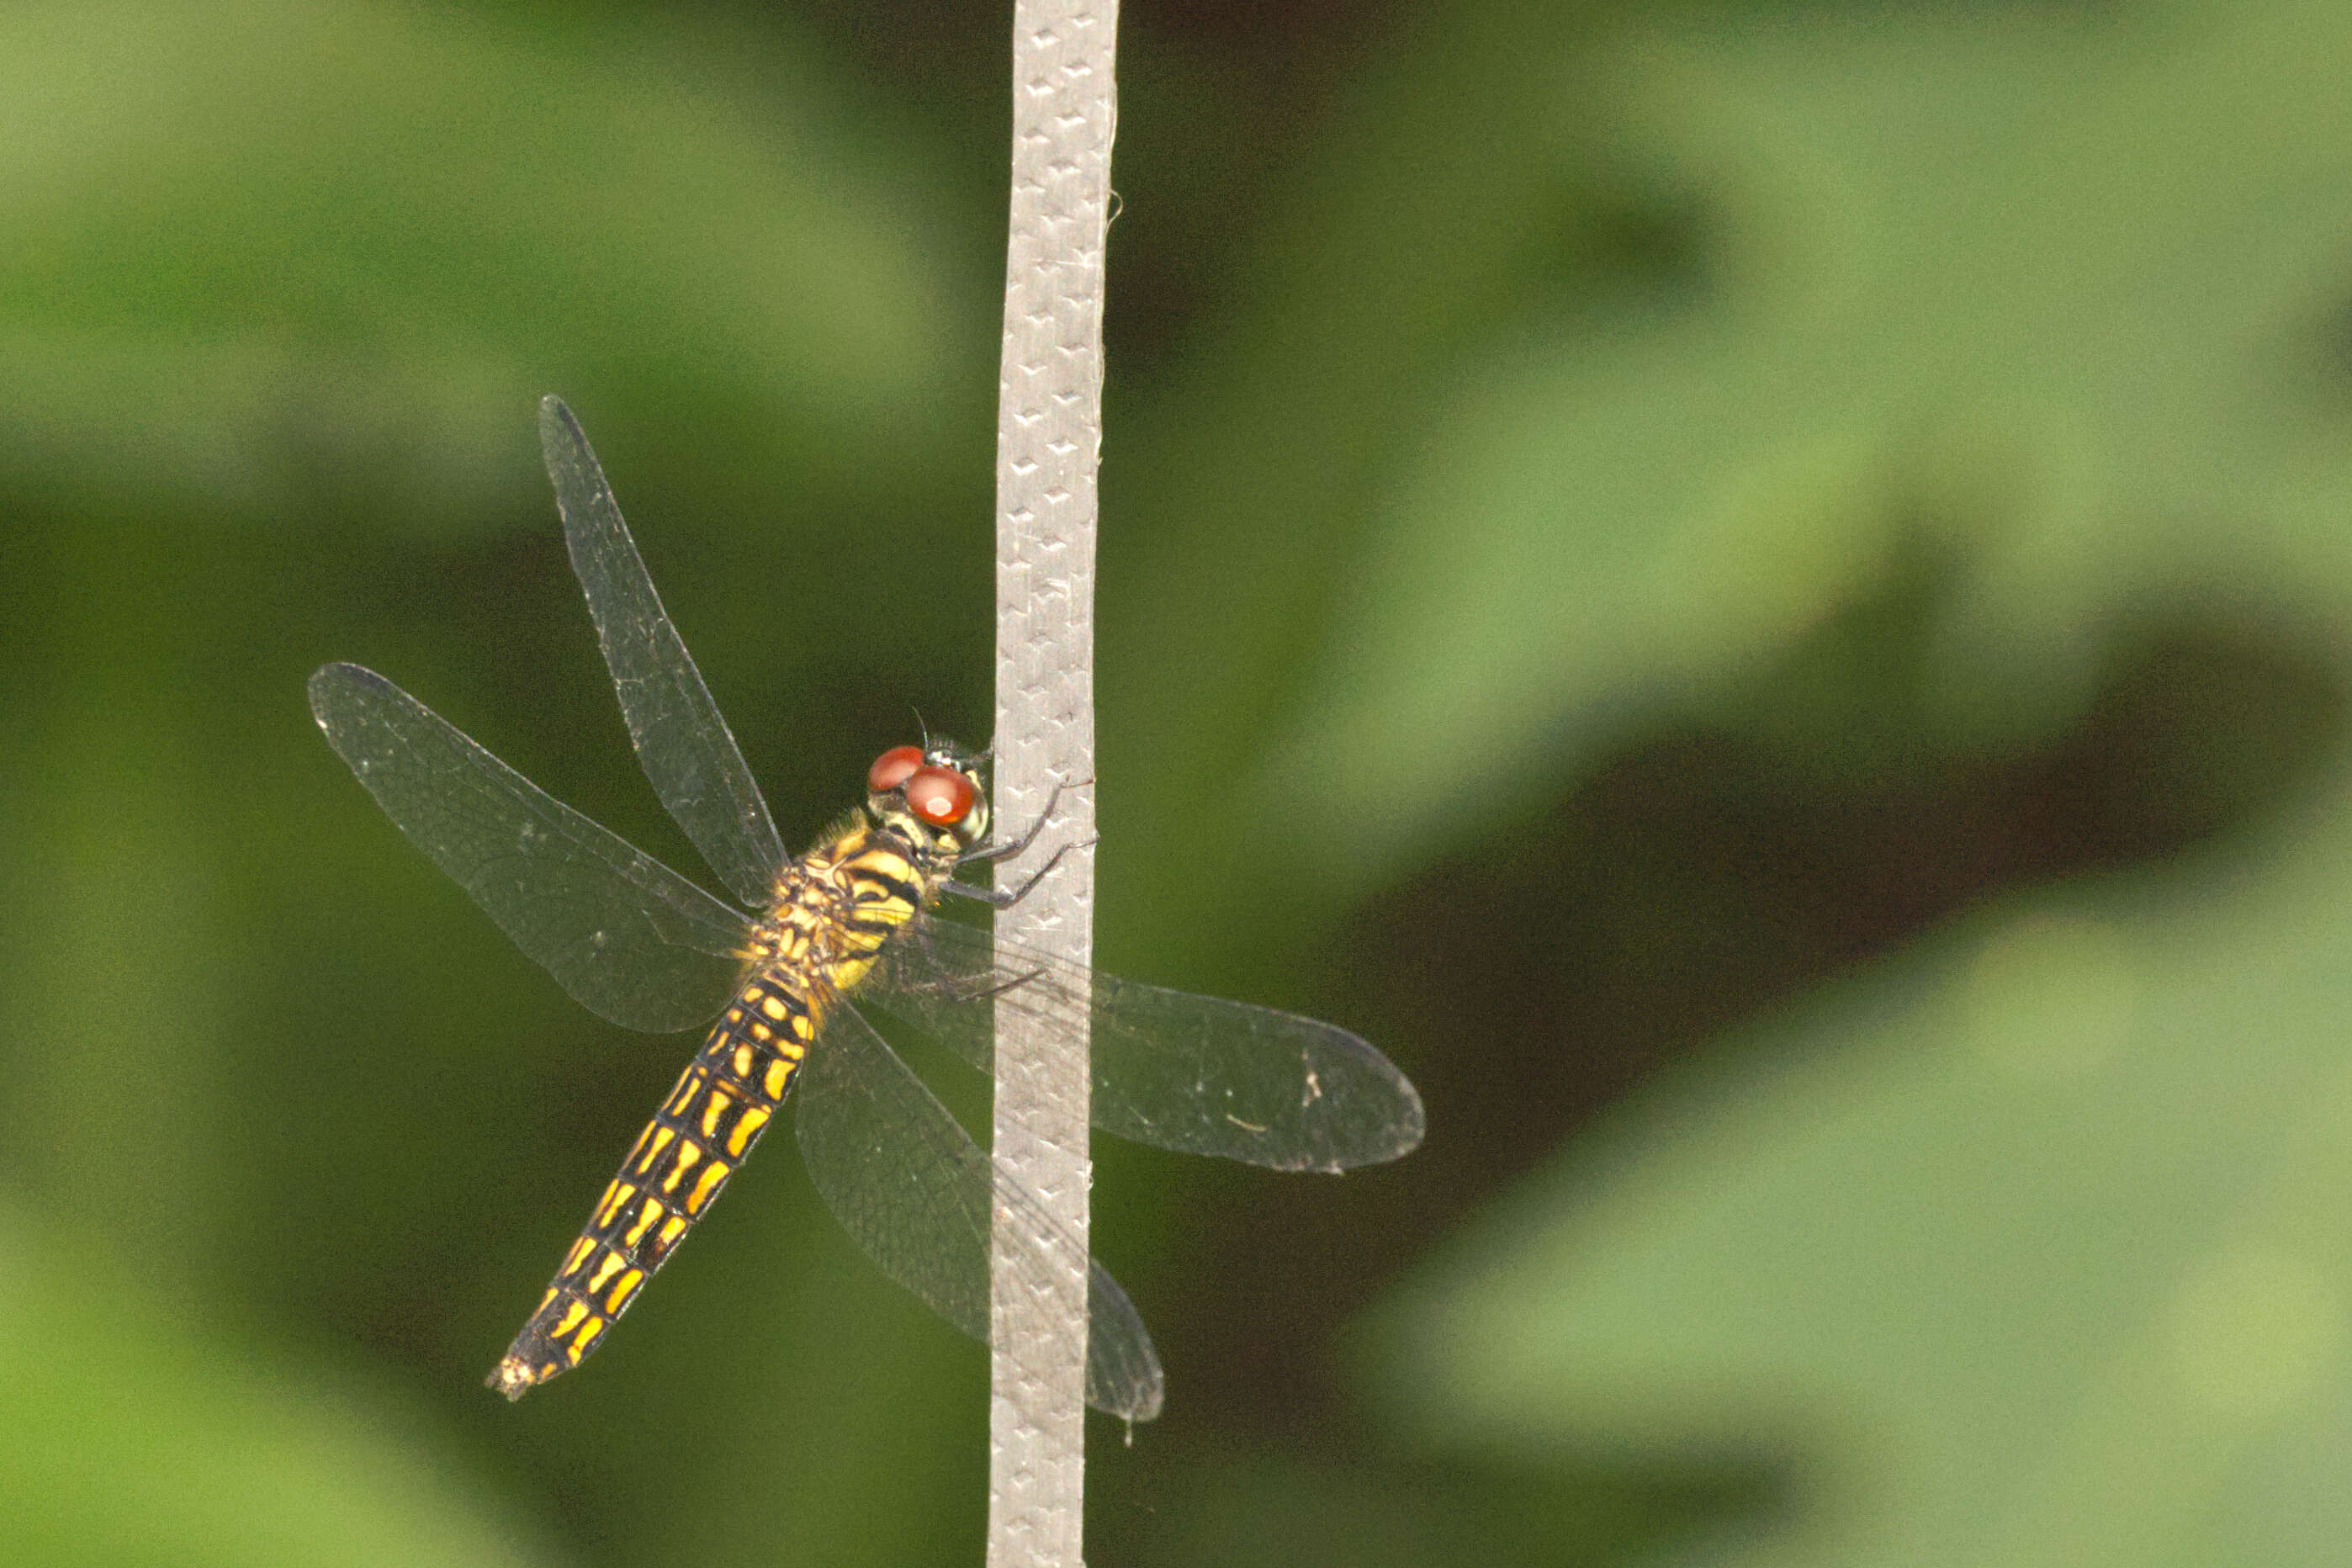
x,y
1049,436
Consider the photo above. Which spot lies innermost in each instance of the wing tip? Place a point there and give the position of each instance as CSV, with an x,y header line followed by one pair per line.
x,y
559,428
332,677
1399,1131
1414,1123
1135,1399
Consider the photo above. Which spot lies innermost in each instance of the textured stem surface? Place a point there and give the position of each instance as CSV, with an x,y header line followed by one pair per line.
x,y
1049,437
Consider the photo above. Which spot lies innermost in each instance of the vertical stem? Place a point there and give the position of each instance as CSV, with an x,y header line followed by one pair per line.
x,y
1049,437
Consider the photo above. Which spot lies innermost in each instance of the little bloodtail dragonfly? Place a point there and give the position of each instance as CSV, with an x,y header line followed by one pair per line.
x,y
777,981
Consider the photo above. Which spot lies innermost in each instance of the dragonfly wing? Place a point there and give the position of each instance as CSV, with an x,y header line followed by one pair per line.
x,y
682,742
1178,1071
631,939
916,1193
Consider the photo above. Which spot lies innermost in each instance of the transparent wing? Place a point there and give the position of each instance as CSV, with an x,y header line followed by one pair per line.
x,y
913,1190
1175,1070
682,742
630,938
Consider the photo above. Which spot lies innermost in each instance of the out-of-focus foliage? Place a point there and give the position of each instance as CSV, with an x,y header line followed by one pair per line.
x,y
1987,283
355,229
136,1439
2033,1242
1622,524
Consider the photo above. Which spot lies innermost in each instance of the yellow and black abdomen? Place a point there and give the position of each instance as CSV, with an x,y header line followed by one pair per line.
x,y
835,910
722,1103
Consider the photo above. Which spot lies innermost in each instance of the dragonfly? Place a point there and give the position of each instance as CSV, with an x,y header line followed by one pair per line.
x,y
778,978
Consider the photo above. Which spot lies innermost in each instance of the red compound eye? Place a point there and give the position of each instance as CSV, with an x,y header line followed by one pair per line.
x,y
940,796
893,768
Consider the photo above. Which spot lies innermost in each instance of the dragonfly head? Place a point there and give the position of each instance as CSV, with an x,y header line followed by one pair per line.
x,y
933,796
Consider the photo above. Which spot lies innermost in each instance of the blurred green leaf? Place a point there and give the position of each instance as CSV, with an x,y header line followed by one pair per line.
x,y
2047,288
2028,1248
244,242
134,1438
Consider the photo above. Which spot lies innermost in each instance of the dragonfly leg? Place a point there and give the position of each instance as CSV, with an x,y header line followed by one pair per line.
x,y
1005,898
981,854
1010,983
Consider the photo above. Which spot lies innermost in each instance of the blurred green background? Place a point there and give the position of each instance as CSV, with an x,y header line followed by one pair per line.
x,y
1761,593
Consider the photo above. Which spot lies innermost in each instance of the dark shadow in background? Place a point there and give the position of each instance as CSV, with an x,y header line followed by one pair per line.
x,y
1695,879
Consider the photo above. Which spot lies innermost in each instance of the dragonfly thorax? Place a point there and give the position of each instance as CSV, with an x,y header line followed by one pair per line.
x,y
834,908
